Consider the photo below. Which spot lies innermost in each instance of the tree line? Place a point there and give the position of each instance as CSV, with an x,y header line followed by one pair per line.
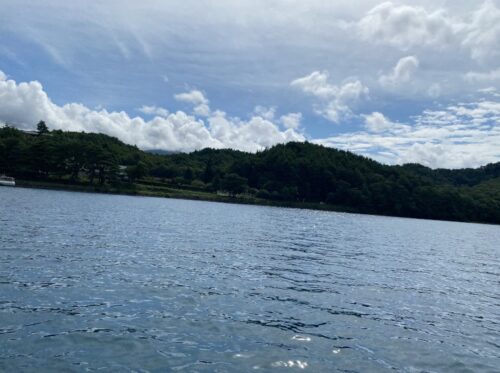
x,y
293,172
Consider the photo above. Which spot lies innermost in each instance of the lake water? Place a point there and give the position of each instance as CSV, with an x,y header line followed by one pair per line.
x,y
116,283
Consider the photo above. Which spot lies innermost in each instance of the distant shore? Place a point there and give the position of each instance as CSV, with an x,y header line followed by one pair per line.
x,y
138,190
141,190
295,174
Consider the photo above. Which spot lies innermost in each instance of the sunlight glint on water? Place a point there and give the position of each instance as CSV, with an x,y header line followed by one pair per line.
x,y
90,282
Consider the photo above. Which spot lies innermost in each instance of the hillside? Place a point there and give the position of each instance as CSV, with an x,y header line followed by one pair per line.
x,y
296,174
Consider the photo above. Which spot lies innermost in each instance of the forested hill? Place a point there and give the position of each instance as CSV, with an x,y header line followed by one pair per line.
x,y
294,173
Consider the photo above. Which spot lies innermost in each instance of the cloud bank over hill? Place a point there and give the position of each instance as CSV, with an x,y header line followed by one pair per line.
x,y
462,135
24,104
457,136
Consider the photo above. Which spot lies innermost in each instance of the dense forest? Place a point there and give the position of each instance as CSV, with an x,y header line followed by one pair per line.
x,y
296,174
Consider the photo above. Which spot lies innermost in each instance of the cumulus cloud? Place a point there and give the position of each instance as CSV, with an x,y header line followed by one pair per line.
x,y
316,84
265,112
465,135
24,104
412,26
406,26
402,73
291,120
154,110
2,76
335,100
378,122
197,99
483,33
254,134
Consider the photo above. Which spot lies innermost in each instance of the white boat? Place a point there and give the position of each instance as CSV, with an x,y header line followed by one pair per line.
x,y
7,181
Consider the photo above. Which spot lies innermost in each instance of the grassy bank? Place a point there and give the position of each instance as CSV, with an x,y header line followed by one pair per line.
x,y
147,190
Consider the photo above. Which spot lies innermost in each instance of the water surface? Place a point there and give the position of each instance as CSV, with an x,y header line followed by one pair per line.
x,y
96,282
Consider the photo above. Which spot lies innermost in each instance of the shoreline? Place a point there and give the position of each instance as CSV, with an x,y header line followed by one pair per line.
x,y
180,194
207,197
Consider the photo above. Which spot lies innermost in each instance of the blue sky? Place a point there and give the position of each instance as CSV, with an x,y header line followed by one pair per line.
x,y
397,81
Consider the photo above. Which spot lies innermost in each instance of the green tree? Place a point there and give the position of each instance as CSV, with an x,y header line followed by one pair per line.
x,y
138,171
233,183
208,173
42,128
188,175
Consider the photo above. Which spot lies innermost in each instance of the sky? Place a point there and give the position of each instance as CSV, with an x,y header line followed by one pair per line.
x,y
397,81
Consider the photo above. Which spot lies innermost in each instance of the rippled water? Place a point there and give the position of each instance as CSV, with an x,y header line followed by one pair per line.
x,y
97,282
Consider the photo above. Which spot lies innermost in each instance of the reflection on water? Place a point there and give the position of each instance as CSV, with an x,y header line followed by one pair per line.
x,y
96,282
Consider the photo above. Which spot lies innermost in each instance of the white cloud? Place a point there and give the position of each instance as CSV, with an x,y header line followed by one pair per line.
x,y
402,73
197,99
432,155
483,33
24,104
480,77
194,97
202,110
465,135
254,134
406,80
3,77
406,26
291,120
488,90
265,112
335,101
377,122
316,84
154,110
